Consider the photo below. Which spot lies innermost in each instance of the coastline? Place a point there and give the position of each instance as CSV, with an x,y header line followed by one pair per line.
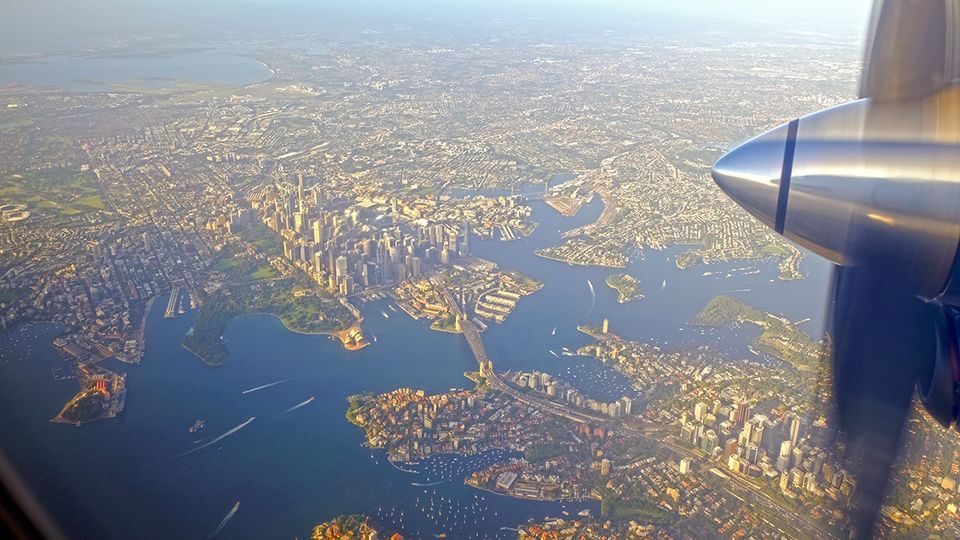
x,y
539,253
341,334
521,498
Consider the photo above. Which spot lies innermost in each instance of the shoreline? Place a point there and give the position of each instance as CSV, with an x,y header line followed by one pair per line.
x,y
332,333
577,263
521,498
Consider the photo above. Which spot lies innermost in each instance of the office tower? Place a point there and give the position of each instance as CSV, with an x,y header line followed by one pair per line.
x,y
753,453
709,441
785,448
369,248
745,434
756,437
743,412
699,410
332,263
729,447
300,190
797,456
291,204
348,286
796,426
318,232
341,267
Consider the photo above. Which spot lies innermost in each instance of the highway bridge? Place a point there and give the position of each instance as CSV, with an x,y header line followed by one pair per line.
x,y
739,487
469,330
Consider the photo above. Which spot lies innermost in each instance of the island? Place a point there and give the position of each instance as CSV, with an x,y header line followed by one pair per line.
x,y
102,395
627,287
780,338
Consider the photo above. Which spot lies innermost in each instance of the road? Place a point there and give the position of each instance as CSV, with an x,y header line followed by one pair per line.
x,y
737,487
470,332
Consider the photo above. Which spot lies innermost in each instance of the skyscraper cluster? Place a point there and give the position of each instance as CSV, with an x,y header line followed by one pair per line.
x,y
787,449
347,246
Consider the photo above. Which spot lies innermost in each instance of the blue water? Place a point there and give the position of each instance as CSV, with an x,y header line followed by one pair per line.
x,y
153,68
291,470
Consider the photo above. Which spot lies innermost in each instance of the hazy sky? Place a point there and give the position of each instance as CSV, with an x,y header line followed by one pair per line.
x,y
37,25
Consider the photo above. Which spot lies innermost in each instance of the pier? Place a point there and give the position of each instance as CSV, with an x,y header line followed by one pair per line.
x,y
171,310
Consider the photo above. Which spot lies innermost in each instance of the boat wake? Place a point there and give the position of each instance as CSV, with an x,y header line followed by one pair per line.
x,y
268,385
297,406
420,484
212,441
593,298
223,522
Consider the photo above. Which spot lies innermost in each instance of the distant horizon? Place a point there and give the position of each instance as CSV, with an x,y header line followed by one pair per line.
x,y
38,26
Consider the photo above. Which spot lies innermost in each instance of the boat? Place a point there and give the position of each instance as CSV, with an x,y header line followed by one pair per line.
x,y
385,316
197,426
663,285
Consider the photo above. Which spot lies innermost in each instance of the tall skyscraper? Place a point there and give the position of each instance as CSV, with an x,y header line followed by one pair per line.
x,y
743,412
300,202
341,267
318,236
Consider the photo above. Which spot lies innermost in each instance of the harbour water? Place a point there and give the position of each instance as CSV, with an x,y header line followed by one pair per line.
x,y
299,462
142,68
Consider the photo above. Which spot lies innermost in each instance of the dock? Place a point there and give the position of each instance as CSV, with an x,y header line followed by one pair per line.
x,y
171,310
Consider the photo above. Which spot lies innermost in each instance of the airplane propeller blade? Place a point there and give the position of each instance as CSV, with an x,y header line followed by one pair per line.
x,y
878,328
